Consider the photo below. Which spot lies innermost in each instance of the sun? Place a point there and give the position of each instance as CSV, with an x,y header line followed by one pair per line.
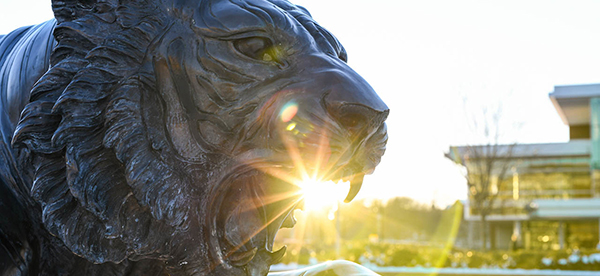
x,y
321,195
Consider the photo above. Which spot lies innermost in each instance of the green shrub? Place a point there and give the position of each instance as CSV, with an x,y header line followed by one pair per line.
x,y
410,255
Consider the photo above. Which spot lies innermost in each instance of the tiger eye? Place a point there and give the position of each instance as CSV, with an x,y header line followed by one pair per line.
x,y
255,48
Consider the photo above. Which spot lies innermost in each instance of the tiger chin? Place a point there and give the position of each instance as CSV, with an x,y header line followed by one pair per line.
x,y
169,137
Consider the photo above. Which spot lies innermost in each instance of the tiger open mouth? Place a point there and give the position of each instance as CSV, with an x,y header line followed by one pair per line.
x,y
261,197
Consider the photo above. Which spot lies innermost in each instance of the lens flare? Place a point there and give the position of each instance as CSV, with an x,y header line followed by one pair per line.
x,y
288,111
291,127
308,173
320,195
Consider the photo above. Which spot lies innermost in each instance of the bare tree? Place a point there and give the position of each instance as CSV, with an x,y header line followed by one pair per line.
x,y
485,167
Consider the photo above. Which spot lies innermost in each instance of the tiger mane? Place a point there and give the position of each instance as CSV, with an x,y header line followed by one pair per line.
x,y
82,126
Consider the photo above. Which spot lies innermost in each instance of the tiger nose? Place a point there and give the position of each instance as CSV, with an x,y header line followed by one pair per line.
x,y
354,104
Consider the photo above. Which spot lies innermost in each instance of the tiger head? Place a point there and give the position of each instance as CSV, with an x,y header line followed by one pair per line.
x,y
177,131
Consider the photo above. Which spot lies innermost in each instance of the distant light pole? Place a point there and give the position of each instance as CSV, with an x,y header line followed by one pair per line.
x,y
338,231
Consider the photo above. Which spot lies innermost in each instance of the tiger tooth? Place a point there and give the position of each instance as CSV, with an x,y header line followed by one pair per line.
x,y
277,255
355,185
242,258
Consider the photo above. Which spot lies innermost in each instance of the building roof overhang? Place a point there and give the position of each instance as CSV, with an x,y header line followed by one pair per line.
x,y
572,102
573,148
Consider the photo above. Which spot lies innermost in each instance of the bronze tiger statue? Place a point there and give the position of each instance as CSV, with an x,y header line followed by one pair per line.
x,y
169,137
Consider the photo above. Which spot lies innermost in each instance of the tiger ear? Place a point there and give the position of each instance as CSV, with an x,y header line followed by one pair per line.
x,y
304,10
70,10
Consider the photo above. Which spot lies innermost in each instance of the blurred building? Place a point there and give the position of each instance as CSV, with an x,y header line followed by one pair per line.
x,y
549,195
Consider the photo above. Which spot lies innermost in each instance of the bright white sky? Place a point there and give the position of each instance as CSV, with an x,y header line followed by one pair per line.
x,y
425,57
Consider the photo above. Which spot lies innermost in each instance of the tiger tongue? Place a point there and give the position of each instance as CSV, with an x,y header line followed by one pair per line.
x,y
256,267
243,258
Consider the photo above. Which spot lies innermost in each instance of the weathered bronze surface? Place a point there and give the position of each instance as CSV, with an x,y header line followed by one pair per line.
x,y
161,137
